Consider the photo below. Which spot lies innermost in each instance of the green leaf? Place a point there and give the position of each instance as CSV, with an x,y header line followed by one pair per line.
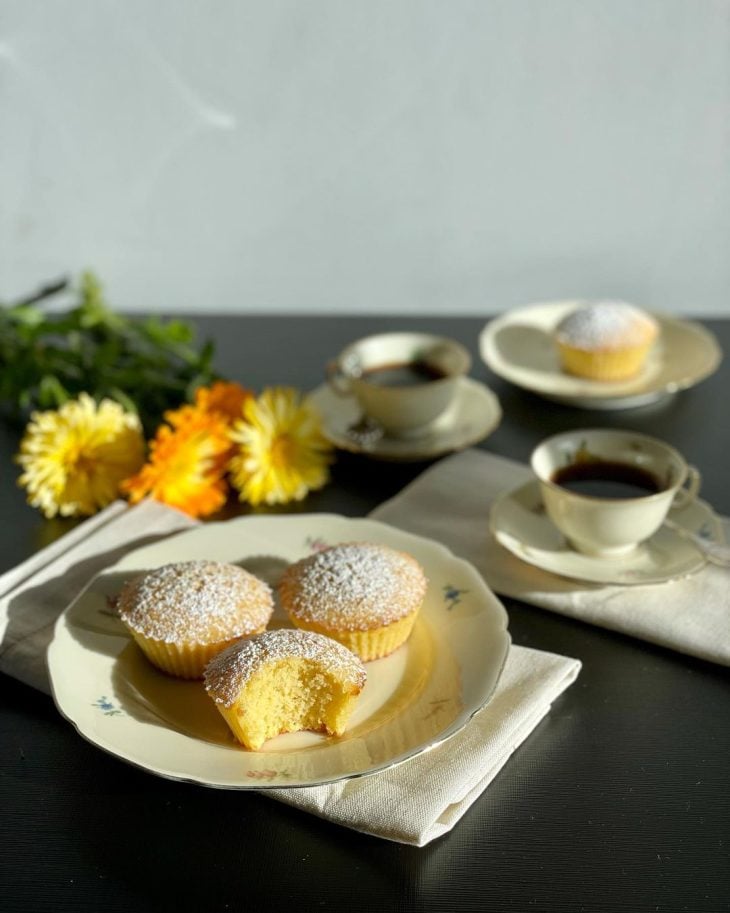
x,y
121,397
51,392
26,315
147,363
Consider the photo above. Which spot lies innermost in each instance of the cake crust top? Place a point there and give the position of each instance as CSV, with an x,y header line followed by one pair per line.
x,y
354,586
227,673
606,325
195,602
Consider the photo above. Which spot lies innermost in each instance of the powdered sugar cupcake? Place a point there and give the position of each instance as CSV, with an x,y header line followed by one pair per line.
x,y
183,614
365,596
284,681
605,340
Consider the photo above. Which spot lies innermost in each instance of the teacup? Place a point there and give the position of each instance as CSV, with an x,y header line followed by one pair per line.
x,y
608,490
402,381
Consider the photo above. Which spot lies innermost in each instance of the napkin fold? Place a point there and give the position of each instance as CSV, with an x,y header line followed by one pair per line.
x,y
426,796
451,501
33,594
392,804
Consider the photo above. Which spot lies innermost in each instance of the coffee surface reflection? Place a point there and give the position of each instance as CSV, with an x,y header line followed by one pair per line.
x,y
607,479
405,374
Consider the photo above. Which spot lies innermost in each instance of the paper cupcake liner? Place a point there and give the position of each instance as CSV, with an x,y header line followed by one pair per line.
x,y
368,645
182,660
613,364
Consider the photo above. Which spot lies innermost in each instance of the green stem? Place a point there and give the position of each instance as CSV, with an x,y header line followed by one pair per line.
x,y
45,291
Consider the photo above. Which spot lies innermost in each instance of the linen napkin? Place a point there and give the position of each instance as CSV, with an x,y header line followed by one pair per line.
x,y
34,593
451,501
392,804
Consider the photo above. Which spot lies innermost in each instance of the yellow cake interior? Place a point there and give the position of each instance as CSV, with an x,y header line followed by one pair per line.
x,y
287,696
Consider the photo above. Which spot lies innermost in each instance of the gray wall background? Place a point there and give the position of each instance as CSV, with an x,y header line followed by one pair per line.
x,y
376,156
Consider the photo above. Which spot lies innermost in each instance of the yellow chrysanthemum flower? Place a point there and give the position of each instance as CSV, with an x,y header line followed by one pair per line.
x,y
74,458
187,464
281,453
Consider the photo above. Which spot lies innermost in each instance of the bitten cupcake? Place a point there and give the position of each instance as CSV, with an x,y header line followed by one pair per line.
x,y
605,340
183,614
363,595
284,681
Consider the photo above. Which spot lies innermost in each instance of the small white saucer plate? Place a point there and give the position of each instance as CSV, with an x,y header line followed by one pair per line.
x,y
518,522
473,415
519,347
414,699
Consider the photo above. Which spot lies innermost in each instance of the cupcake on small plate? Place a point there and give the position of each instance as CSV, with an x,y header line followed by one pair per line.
x,y
365,596
605,340
183,614
284,681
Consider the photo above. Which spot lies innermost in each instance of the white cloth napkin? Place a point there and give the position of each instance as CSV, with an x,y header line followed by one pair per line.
x,y
451,501
392,804
33,594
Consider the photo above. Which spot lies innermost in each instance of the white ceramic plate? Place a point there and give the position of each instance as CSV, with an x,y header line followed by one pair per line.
x,y
474,414
518,346
414,699
518,522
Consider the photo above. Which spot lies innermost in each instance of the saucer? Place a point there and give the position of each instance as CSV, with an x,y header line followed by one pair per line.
x,y
474,413
519,347
518,521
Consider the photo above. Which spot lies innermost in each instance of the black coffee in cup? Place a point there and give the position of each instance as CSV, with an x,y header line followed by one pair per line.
x,y
607,479
402,381
403,374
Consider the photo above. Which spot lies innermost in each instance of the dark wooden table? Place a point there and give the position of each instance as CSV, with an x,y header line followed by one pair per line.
x,y
620,800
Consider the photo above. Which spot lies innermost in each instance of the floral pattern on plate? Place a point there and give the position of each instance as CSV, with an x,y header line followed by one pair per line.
x,y
417,697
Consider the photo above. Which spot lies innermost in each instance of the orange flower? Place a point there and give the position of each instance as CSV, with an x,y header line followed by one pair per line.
x,y
187,463
224,397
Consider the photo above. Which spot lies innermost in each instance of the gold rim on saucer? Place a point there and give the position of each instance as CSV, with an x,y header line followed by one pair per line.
x,y
518,346
414,699
473,415
518,521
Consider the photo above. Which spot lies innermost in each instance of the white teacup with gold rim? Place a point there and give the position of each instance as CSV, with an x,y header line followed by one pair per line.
x,y
402,381
608,490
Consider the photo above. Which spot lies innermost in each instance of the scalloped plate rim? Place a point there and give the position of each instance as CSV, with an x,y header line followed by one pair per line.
x,y
443,440
492,605
583,392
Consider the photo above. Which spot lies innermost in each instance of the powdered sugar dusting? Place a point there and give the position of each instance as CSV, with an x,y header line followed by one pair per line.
x,y
606,325
353,587
196,602
227,674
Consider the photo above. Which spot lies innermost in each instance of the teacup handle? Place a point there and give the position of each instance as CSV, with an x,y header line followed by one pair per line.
x,y
339,381
689,490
